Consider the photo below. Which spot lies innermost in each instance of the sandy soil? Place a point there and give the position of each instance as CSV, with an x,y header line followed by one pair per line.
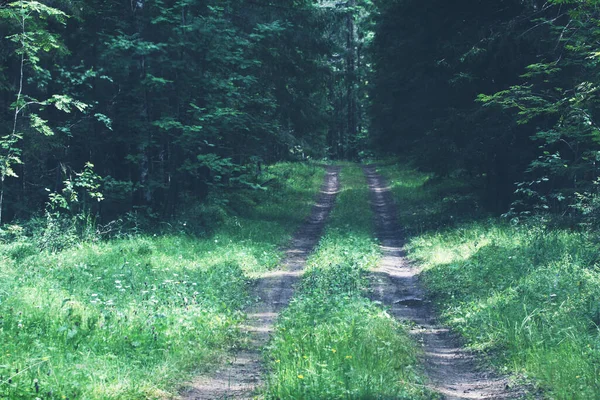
x,y
241,376
454,372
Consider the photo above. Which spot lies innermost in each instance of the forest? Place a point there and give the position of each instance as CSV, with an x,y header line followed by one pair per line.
x,y
299,199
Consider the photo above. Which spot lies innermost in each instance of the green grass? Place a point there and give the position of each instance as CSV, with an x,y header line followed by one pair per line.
x,y
427,203
526,294
136,317
332,342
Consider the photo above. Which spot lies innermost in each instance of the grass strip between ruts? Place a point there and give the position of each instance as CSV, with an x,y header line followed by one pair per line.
x,y
333,342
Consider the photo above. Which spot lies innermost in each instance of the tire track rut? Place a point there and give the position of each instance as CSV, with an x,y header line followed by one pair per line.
x,y
242,375
453,371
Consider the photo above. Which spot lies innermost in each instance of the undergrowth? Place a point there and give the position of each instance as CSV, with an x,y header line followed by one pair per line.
x,y
426,202
134,317
525,293
333,342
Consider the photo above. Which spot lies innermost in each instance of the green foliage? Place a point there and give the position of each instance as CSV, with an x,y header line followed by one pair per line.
x,y
177,98
351,28
558,98
77,193
69,216
424,108
34,37
354,349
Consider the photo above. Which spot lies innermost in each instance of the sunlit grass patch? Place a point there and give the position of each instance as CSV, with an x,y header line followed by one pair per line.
x,y
332,342
532,296
135,317
526,294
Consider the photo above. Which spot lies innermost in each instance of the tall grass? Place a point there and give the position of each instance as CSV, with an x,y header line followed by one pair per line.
x,y
135,317
332,342
526,294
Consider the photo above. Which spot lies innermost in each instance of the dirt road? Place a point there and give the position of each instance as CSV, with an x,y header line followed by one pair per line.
x,y
243,372
453,371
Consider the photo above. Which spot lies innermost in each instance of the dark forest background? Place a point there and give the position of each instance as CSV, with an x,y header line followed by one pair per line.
x,y
149,109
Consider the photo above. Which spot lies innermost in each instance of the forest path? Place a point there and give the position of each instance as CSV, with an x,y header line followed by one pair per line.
x,y
243,373
453,371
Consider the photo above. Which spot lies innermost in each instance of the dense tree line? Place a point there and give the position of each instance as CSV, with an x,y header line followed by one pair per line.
x,y
503,92
150,104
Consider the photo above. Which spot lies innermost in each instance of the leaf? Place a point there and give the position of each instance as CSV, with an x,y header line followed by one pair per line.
x,y
104,119
10,172
40,125
66,103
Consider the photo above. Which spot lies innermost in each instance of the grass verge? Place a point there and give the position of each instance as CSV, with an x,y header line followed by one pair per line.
x,y
526,294
333,342
426,202
133,318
